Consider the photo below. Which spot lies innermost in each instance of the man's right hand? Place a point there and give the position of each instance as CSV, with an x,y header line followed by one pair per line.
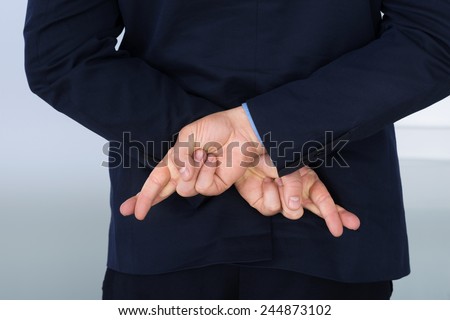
x,y
291,193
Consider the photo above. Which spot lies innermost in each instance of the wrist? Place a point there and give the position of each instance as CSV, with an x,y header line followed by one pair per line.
x,y
242,127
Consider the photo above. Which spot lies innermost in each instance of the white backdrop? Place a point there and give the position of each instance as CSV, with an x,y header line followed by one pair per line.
x,y
426,134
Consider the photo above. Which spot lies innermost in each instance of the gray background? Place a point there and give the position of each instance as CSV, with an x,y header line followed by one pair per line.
x,y
54,210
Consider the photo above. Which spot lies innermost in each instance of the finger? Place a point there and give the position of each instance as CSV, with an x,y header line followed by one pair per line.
x,y
127,208
310,179
265,167
249,187
321,198
258,188
305,170
183,155
156,183
290,193
271,198
187,188
319,201
260,193
205,183
349,219
262,188
271,203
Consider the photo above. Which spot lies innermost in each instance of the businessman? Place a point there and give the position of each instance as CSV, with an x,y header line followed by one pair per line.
x,y
314,88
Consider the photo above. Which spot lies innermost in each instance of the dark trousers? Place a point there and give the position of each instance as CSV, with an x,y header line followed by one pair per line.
x,y
236,282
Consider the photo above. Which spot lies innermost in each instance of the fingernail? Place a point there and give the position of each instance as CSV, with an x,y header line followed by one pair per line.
x,y
184,172
198,155
294,203
211,159
279,182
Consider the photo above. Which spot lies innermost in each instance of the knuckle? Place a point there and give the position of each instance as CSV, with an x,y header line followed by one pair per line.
x,y
307,171
263,209
267,210
212,191
311,173
296,215
201,188
272,208
185,191
209,191
323,198
267,213
183,132
173,183
292,181
156,180
171,153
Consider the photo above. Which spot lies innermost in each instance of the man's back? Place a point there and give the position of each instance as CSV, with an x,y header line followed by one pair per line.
x,y
305,67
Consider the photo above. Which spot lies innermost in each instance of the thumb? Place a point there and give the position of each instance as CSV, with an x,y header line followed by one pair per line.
x,y
264,168
290,189
127,208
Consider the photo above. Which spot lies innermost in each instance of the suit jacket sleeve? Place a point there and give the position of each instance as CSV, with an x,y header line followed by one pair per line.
x,y
71,62
404,70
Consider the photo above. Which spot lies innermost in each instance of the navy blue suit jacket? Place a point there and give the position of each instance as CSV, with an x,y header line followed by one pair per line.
x,y
304,68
